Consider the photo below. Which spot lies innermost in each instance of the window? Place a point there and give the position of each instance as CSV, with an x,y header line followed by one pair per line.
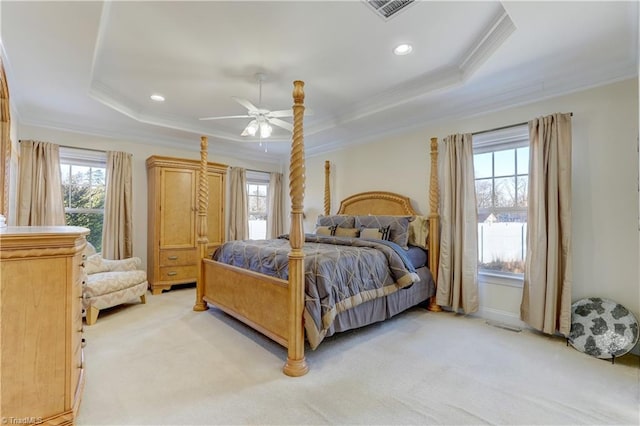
x,y
257,189
501,166
83,189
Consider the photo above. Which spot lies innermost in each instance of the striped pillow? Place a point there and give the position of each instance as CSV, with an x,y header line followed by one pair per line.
x,y
398,227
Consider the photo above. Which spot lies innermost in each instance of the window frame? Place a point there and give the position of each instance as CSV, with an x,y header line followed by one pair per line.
x,y
512,137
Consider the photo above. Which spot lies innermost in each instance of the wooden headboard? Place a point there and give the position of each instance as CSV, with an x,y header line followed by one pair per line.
x,y
377,203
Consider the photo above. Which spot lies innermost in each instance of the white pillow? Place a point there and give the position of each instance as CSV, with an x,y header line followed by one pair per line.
x,y
418,231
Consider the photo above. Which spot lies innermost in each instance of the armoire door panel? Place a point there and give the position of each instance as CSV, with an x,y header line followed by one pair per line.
x,y
177,220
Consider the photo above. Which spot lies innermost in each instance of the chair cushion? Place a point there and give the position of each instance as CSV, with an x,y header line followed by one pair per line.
x,y
108,282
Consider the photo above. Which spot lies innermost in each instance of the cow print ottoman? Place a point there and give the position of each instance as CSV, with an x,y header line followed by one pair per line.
x,y
602,328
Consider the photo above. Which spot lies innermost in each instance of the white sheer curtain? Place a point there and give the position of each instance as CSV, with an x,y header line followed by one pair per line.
x,y
239,209
546,298
40,201
275,217
117,229
458,270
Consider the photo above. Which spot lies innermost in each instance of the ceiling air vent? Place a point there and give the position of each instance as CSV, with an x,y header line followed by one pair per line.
x,y
386,9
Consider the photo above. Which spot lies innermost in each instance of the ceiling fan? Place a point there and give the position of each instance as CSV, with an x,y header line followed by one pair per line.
x,y
261,119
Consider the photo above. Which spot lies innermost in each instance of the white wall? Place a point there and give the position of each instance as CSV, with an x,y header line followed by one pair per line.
x,y
140,153
605,193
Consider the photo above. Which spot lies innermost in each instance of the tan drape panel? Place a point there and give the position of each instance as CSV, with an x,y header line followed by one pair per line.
x,y
275,217
40,200
546,298
117,228
239,209
458,270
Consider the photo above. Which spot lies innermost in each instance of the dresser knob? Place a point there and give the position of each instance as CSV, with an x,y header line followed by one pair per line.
x,y
172,257
172,273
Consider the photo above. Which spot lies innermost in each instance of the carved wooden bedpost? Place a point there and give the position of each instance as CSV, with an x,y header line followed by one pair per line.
x,y
327,188
434,222
203,240
296,364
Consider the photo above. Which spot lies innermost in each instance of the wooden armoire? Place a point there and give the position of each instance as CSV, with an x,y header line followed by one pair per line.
x,y
172,252
41,355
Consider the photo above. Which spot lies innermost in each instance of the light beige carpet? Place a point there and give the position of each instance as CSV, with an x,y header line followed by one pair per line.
x,y
162,363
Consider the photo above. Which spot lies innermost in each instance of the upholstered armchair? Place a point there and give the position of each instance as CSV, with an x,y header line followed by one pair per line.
x,y
110,282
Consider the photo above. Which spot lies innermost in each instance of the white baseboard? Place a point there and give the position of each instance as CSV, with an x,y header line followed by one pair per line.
x,y
513,320
502,317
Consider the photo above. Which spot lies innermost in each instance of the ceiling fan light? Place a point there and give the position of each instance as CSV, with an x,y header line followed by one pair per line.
x,y
252,128
265,130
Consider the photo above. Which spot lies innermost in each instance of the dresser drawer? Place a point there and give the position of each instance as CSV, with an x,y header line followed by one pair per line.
x,y
178,257
179,273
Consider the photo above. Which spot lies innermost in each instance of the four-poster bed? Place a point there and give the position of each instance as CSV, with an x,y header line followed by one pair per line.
x,y
275,306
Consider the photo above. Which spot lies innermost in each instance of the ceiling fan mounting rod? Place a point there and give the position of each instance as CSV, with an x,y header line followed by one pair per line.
x,y
260,76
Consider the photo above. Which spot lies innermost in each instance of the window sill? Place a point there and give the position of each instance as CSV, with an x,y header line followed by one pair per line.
x,y
500,279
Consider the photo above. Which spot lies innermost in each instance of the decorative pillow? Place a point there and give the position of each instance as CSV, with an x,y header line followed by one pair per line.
x,y
340,220
398,227
418,231
346,232
374,233
325,230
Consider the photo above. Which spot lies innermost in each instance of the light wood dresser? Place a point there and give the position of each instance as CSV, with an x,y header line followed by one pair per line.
x,y
41,358
172,251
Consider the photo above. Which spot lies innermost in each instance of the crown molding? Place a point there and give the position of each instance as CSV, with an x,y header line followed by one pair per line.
x,y
226,149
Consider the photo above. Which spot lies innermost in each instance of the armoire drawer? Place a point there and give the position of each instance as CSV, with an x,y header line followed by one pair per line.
x,y
179,273
178,257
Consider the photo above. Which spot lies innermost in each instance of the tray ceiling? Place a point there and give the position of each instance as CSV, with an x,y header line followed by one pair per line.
x,y
91,66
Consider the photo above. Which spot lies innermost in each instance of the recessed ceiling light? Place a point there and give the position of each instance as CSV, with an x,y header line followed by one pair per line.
x,y
157,98
402,49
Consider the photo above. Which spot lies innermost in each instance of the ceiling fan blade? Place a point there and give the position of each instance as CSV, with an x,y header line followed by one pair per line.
x,y
281,113
223,117
281,123
245,103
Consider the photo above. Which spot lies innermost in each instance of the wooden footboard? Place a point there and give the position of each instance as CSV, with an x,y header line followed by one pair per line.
x,y
258,300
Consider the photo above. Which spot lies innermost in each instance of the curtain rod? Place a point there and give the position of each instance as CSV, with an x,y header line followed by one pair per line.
x,y
84,149
74,147
504,127
249,170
